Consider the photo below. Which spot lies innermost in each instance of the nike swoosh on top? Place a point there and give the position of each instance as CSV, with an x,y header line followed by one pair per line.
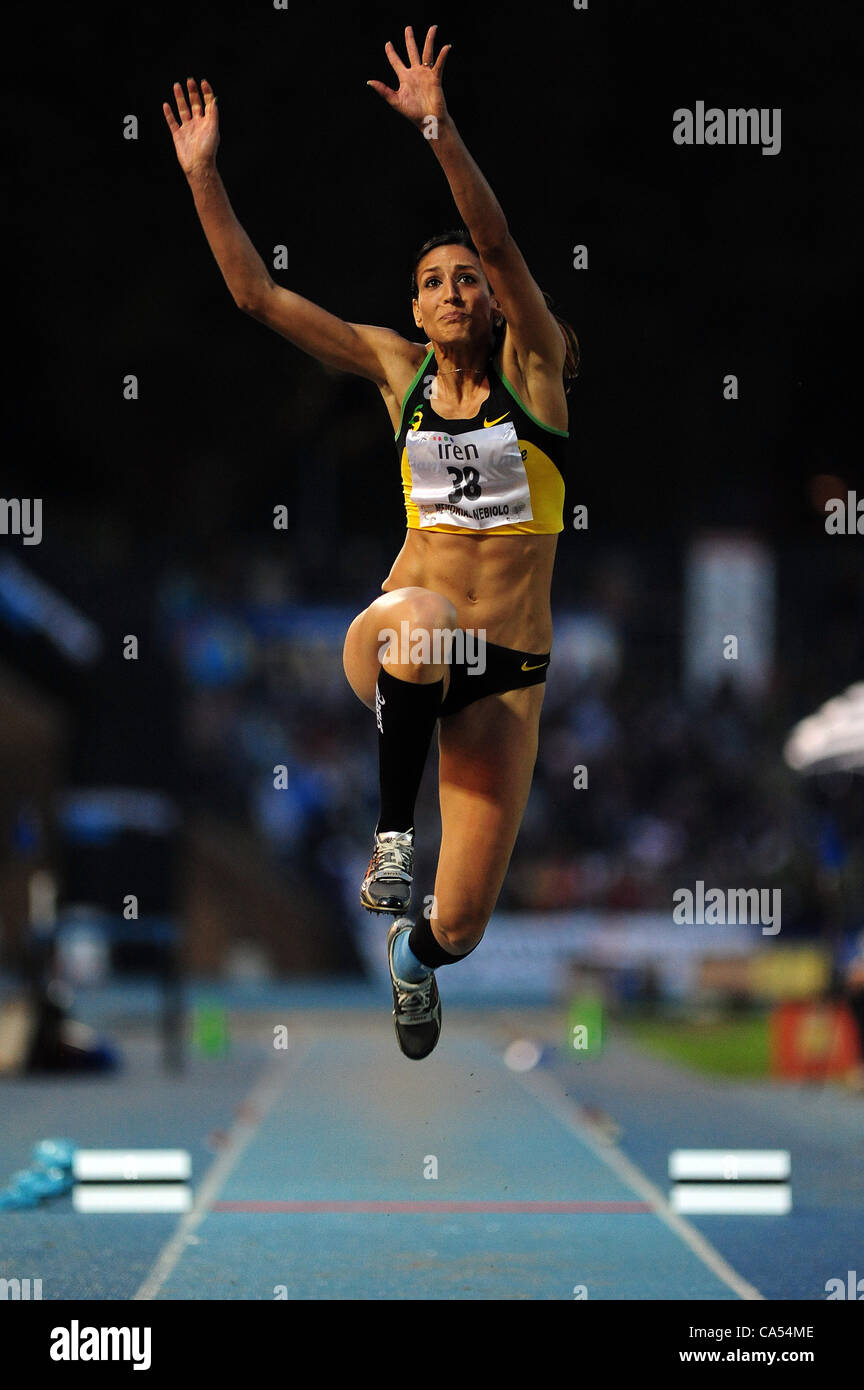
x,y
535,667
487,423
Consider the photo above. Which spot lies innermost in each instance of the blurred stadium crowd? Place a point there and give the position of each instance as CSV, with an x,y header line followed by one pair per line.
x,y
678,789
238,708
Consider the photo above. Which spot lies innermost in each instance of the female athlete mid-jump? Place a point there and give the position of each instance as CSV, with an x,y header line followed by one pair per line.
x,y
479,412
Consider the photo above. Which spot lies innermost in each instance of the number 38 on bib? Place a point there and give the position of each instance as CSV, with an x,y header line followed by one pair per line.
x,y
476,479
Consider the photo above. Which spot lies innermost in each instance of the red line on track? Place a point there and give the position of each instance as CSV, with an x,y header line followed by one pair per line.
x,y
534,1208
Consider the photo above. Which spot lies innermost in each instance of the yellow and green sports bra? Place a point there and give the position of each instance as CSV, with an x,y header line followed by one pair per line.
x,y
496,473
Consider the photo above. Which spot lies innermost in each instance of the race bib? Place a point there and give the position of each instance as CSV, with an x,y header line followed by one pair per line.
x,y
474,480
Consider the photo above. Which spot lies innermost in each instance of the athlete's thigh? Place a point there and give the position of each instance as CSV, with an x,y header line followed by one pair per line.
x,y
360,655
487,757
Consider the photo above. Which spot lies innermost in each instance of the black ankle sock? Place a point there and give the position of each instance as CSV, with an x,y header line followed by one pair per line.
x,y
423,945
406,714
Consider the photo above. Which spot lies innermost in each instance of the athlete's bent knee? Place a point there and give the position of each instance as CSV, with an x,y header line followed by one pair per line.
x,y
413,627
423,610
462,932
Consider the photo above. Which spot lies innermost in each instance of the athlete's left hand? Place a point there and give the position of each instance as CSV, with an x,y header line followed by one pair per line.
x,y
419,94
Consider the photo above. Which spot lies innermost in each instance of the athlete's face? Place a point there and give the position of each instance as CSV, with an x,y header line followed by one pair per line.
x,y
454,300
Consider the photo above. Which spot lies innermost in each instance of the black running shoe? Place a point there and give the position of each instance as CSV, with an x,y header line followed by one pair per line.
x,y
416,1008
387,885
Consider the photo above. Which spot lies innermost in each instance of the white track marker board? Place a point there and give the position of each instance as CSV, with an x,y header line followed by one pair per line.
x,y
739,1182
130,1180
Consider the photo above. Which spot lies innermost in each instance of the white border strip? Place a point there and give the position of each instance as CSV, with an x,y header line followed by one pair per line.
x,y
551,1095
260,1101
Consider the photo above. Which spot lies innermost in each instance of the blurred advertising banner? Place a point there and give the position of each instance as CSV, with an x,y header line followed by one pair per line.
x,y
812,1041
729,619
537,957
542,957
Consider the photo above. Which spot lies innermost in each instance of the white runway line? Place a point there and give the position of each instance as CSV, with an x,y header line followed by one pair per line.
x,y
549,1093
260,1101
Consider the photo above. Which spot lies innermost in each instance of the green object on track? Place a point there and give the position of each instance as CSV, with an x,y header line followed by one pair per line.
x,y
210,1029
585,1026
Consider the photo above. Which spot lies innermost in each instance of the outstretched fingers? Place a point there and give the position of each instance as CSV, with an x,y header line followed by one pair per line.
x,y
180,98
442,59
202,104
411,47
382,89
194,97
394,60
429,46
429,59
399,98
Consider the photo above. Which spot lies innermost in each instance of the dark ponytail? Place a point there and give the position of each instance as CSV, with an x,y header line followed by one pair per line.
x,y
573,359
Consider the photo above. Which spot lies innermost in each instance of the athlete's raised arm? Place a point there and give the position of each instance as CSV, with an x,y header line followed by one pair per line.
x,y
534,334
376,353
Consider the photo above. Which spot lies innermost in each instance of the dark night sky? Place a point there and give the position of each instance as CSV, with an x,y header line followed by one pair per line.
x,y
703,261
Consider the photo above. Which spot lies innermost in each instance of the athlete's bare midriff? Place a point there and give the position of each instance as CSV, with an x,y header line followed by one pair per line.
x,y
498,583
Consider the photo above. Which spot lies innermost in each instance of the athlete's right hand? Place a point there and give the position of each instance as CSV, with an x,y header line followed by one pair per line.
x,y
196,134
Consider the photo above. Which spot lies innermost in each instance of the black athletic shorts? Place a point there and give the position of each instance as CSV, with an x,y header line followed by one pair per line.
x,y
505,669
